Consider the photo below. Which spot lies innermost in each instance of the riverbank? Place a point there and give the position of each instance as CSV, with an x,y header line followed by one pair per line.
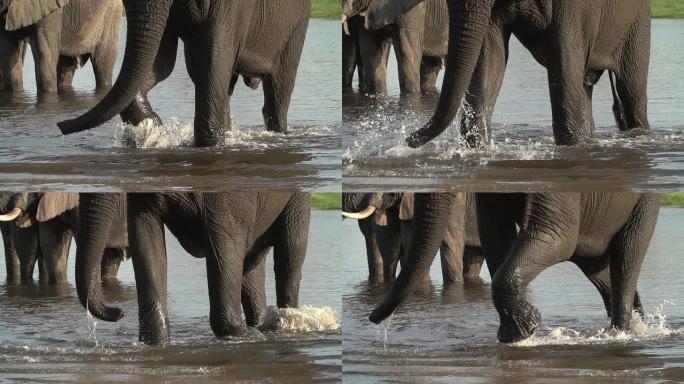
x,y
325,9
667,9
327,201
675,199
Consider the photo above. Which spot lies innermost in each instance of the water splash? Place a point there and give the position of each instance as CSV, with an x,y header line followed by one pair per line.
x,y
652,327
385,326
304,319
91,324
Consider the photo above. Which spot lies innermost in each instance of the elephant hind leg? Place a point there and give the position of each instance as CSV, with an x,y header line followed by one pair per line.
x,y
111,260
627,251
12,63
429,71
279,85
473,258
66,67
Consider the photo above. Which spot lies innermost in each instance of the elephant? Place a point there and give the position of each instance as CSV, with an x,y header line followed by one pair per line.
x,y
39,227
63,35
418,32
575,41
232,231
386,221
260,39
605,234
351,55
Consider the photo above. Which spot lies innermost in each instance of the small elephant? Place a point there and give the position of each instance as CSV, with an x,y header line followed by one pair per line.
x,y
386,221
38,228
63,35
605,234
232,231
417,30
258,39
576,41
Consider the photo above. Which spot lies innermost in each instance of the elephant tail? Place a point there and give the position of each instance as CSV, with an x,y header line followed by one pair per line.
x,y
432,212
146,25
96,215
618,108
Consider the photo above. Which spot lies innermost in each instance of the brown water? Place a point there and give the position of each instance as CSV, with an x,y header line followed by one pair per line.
x,y
447,335
523,156
33,152
47,336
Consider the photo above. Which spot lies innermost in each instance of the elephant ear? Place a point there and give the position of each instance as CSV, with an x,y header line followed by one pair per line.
x,y
406,207
22,13
384,12
53,204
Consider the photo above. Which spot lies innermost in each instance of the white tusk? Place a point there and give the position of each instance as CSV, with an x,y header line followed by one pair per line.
x,y
359,215
345,24
12,215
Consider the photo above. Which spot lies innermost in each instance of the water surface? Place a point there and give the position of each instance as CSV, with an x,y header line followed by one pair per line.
x,y
46,335
523,155
446,335
114,157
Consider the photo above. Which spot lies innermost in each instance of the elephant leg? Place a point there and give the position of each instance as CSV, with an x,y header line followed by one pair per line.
x,y
289,250
548,237
55,241
373,255
627,251
140,108
496,217
597,270
104,57
632,77
349,51
279,85
66,68
12,264
147,247
408,48
13,50
28,250
453,244
374,47
388,237
429,71
476,121
253,294
45,43
473,258
111,260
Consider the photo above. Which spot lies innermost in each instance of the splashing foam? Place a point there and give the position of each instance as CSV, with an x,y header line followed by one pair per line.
x,y
652,326
91,327
304,319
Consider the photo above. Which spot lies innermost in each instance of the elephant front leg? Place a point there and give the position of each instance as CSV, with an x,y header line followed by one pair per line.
x,y
45,48
627,251
279,85
254,293
13,50
408,47
374,49
147,246
12,264
55,240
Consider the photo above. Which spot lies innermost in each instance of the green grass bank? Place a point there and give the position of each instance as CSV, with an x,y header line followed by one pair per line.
x,y
675,199
325,9
328,201
670,9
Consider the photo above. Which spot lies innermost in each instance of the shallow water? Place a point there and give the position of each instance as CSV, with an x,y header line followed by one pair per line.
x,y
443,334
46,335
33,152
523,155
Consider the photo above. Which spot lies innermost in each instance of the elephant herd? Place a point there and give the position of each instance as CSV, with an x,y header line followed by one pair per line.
x,y
519,235
233,232
259,40
575,41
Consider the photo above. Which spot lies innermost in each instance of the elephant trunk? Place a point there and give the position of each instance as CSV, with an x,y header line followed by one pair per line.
x,y
431,217
146,25
97,213
468,22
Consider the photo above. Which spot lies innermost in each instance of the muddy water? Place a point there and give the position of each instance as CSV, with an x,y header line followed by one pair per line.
x,y
113,157
523,155
46,335
442,334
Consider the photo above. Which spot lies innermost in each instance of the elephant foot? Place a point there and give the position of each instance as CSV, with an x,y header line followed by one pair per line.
x,y
519,325
228,328
158,338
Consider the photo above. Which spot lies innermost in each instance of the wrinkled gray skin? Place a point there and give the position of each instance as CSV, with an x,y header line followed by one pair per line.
x,y
258,39
388,233
605,234
575,41
42,234
351,55
418,32
63,36
232,231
